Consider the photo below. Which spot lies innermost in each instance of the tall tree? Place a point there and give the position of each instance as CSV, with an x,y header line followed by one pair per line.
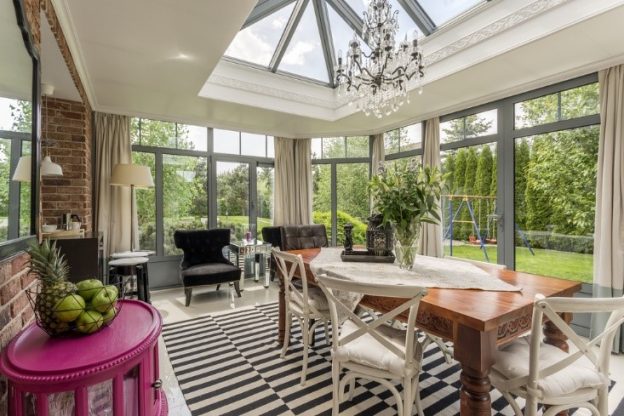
x,y
482,187
522,158
469,190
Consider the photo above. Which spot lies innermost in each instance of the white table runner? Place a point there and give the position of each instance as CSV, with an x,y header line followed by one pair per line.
x,y
427,272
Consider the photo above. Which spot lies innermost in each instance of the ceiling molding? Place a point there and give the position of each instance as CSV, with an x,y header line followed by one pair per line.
x,y
63,14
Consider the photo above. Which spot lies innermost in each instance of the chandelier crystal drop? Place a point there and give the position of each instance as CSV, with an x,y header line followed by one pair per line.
x,y
377,83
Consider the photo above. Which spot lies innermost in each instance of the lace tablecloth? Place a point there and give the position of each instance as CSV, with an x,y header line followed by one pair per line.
x,y
428,272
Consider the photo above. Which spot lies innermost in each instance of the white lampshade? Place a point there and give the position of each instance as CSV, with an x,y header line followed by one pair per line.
x,y
23,169
49,168
128,174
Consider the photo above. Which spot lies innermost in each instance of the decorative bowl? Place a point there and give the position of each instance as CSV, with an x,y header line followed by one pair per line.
x,y
48,228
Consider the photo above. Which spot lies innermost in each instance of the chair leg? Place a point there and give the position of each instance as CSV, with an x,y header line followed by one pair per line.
x,y
218,287
416,392
305,328
237,288
408,398
351,389
286,334
603,400
336,387
188,292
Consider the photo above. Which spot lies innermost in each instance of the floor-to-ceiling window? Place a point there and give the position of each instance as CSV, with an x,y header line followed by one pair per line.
x,y
340,174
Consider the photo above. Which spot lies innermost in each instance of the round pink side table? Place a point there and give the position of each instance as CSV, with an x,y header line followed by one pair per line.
x,y
124,354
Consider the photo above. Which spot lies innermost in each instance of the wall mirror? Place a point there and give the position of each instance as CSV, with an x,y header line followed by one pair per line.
x,y
19,130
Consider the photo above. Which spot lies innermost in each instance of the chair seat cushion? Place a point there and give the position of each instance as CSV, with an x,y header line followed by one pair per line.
x,y
316,299
512,361
366,350
212,273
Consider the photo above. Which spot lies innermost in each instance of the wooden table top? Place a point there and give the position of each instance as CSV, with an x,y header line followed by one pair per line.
x,y
479,309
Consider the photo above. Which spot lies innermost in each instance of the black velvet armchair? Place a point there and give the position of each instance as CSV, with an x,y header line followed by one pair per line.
x,y
203,262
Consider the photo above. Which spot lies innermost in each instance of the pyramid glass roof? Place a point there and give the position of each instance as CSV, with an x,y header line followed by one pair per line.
x,y
303,37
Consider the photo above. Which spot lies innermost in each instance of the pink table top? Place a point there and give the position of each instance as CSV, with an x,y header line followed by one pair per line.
x,y
34,355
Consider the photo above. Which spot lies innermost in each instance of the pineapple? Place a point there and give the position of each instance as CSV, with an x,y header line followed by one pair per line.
x,y
51,270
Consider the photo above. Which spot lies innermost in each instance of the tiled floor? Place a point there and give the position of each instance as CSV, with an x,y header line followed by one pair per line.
x,y
170,303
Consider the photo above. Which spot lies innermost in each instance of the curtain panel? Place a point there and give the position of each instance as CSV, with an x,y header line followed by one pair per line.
x,y
431,234
293,182
378,155
112,203
609,225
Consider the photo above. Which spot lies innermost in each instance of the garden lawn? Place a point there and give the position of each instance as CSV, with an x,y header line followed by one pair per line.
x,y
563,264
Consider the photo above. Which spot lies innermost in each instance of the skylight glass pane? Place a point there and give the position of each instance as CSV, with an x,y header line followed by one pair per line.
x,y
406,25
257,42
342,34
359,6
304,55
441,11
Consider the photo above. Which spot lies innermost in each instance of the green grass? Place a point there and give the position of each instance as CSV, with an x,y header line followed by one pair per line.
x,y
562,264
241,222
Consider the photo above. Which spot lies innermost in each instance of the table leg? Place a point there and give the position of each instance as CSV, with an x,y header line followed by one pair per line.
x,y
475,352
16,401
281,321
118,395
554,337
81,401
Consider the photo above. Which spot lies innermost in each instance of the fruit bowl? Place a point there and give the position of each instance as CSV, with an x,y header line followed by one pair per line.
x,y
82,308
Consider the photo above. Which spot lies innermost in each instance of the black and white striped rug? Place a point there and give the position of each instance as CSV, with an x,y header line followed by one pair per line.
x,y
229,364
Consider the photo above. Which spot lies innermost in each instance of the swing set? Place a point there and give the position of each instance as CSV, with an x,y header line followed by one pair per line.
x,y
482,236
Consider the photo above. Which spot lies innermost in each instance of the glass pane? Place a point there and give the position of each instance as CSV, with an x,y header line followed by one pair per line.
x,y
391,141
24,190
406,25
482,124
192,137
469,227
265,178
555,203
135,130
146,204
158,133
317,147
537,111
352,200
5,169
342,33
253,144
357,146
412,139
321,197
304,55
270,146
257,43
359,6
579,102
185,201
443,11
226,141
452,130
15,115
334,147
233,198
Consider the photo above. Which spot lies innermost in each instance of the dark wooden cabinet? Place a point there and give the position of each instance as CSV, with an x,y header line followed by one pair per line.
x,y
84,255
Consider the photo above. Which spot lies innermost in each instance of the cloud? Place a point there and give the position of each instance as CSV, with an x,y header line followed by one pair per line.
x,y
249,46
296,55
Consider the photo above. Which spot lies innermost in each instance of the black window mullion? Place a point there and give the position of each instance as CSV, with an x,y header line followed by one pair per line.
x,y
160,223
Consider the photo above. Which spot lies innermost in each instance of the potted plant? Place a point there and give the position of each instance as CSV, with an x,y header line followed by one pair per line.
x,y
407,195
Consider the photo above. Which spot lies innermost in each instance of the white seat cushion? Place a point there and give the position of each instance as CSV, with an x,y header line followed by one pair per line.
x,y
513,361
366,350
316,299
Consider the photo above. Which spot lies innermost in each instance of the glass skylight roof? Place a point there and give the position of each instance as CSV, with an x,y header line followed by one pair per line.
x,y
289,36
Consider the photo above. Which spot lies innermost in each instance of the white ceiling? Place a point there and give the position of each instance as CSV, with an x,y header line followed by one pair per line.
x,y
152,58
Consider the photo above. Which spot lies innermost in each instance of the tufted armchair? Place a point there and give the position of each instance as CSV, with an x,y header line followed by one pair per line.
x,y
296,237
273,235
203,262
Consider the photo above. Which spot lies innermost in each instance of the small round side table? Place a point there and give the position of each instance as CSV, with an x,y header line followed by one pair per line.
x,y
131,266
124,355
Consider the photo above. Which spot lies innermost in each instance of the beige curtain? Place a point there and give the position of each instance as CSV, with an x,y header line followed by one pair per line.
x,y
378,155
112,203
431,235
609,234
293,182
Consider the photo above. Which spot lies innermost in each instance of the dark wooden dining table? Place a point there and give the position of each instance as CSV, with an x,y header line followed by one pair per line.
x,y
475,321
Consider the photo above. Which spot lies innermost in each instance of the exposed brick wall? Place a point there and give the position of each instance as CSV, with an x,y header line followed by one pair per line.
x,y
15,311
66,131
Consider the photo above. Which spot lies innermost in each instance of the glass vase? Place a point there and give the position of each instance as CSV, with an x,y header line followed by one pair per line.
x,y
406,245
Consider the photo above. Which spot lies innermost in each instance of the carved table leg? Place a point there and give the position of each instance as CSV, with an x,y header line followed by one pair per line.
x,y
281,321
475,351
554,337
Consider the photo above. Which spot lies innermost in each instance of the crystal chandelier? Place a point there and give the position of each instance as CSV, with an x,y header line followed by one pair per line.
x,y
377,82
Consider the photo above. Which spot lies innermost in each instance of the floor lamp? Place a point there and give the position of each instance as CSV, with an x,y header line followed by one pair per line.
x,y
134,176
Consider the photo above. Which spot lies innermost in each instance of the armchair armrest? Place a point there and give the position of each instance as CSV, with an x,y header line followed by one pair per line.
x,y
231,248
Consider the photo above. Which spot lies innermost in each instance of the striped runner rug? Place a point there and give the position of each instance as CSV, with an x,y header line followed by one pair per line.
x,y
229,364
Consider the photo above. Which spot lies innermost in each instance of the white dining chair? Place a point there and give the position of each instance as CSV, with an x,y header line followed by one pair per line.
x,y
373,350
544,374
308,304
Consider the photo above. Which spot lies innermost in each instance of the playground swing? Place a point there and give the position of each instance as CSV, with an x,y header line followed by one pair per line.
x,y
490,227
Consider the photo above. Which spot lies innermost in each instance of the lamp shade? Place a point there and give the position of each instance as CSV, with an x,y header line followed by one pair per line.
x,y
128,174
22,171
49,168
